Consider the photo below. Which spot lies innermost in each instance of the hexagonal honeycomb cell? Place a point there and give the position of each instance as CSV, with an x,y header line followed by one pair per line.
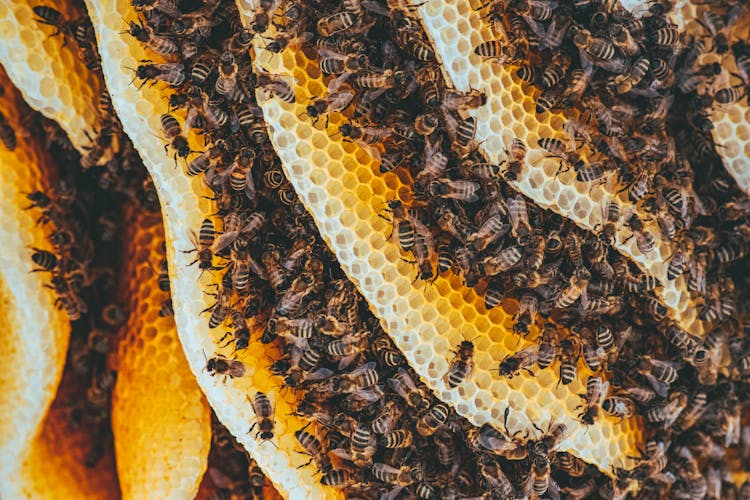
x,y
35,333
184,206
49,72
160,420
336,181
455,29
732,121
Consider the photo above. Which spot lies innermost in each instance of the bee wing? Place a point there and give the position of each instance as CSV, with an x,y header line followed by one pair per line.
x,y
317,375
342,453
363,368
369,395
337,101
603,392
675,365
392,494
371,150
385,468
660,387
329,53
224,240
249,184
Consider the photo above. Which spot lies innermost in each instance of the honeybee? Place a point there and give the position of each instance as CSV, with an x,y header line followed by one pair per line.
x,y
433,419
404,476
405,387
575,288
670,411
461,365
173,131
512,364
276,85
335,23
596,391
362,447
173,74
528,308
618,407
314,448
264,415
161,45
643,237
203,245
220,365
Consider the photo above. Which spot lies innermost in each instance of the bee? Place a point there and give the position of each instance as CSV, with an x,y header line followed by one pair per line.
x,y
387,418
336,478
173,131
264,414
680,260
461,365
660,374
599,49
596,391
404,386
569,353
220,365
314,448
263,11
168,7
173,74
501,261
433,419
556,148
404,476
203,244
241,177
492,229
575,288
277,275
362,447
516,155
663,74
512,364
162,45
335,23
336,63
333,102
53,17
548,345
46,260
385,79
528,308
540,480
494,479
644,239
669,412
666,37
227,74
655,308
618,407
465,132
7,134
519,219
638,70
276,85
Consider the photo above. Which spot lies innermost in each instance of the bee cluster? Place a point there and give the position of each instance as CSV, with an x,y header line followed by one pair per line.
x,y
233,474
375,424
639,94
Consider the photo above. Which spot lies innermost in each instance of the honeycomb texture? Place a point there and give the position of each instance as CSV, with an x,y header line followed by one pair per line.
x,y
35,334
336,181
54,466
183,208
731,122
455,29
160,419
51,77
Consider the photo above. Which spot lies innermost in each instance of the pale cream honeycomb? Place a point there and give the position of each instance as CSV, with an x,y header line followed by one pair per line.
x,y
339,184
52,77
732,121
455,30
160,420
34,332
184,206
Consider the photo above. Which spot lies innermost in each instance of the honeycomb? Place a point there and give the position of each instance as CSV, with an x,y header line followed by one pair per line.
x,y
52,77
184,206
54,465
35,333
455,29
731,122
160,419
337,182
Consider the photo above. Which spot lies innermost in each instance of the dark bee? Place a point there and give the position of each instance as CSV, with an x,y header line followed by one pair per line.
x,y
336,23
596,392
264,415
203,245
276,86
172,74
53,17
220,365
461,365
173,131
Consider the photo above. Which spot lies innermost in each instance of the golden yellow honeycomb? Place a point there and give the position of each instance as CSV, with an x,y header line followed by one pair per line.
x,y
455,29
339,184
35,333
160,420
54,464
184,205
732,121
52,77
